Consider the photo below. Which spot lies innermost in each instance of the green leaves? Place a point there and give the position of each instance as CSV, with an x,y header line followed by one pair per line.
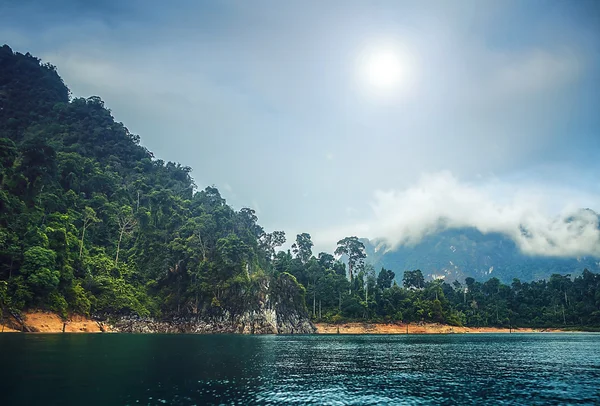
x,y
36,258
354,249
39,268
233,252
302,248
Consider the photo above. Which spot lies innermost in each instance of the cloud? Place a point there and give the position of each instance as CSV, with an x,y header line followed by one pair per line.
x,y
523,212
537,70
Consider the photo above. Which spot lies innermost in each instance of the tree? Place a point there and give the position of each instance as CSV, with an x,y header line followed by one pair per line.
x,y
354,249
127,224
270,241
302,248
326,260
385,279
369,284
413,279
248,219
89,218
314,272
39,267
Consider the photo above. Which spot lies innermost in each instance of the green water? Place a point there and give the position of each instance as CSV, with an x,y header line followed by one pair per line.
x,y
121,369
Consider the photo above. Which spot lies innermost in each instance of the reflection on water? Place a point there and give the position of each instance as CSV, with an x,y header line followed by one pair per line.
x,y
189,369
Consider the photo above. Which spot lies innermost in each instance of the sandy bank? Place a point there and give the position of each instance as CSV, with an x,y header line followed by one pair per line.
x,y
6,329
44,322
424,328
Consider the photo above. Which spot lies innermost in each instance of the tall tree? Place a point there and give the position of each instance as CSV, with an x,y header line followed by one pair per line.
x,y
89,218
127,224
354,249
302,248
385,278
413,279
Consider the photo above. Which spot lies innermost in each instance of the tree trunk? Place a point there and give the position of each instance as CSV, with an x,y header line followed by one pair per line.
x,y
119,246
81,245
350,272
320,316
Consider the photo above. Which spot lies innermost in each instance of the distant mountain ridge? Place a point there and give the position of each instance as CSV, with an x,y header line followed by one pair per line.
x,y
455,254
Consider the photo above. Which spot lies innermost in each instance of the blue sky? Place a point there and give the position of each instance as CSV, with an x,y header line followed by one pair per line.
x,y
495,117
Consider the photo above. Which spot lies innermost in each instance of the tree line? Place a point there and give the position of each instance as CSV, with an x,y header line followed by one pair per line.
x,y
335,294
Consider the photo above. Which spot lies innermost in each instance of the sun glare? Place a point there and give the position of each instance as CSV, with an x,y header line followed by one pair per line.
x,y
385,70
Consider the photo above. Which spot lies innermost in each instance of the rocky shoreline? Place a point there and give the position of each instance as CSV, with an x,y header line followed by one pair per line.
x,y
267,322
246,323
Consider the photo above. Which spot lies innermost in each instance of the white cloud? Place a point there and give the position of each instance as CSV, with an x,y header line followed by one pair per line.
x,y
523,212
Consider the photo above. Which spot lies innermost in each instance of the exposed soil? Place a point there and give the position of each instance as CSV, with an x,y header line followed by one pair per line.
x,y
6,329
424,328
44,322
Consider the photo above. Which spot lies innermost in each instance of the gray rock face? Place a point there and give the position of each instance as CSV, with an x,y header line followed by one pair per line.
x,y
251,322
275,308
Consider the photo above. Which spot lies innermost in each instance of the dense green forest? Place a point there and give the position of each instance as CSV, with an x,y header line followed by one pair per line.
x,y
92,223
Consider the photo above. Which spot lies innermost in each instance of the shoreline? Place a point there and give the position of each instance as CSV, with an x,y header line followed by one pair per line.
x,y
46,322
421,328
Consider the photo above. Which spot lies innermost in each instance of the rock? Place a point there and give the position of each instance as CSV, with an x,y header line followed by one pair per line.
x,y
276,309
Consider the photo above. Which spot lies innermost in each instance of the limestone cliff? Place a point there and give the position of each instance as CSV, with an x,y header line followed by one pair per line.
x,y
275,306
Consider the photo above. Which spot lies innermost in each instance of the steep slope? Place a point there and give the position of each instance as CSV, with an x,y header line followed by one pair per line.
x,y
455,254
92,223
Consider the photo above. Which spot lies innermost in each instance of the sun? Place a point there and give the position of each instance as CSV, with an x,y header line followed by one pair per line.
x,y
383,69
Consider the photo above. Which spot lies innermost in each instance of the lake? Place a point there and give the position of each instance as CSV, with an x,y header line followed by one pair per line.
x,y
121,369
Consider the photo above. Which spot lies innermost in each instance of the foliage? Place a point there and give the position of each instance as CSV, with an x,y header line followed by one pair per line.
x,y
91,222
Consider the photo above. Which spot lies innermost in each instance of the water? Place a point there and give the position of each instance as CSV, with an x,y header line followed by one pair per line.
x,y
121,369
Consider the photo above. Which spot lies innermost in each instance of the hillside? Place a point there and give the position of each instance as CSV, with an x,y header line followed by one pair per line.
x,y
92,223
456,254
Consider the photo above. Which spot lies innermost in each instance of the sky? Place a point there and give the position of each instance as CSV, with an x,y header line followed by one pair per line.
x,y
381,119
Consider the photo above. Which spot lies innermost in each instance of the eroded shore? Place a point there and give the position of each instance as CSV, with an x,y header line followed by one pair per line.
x,y
417,328
44,322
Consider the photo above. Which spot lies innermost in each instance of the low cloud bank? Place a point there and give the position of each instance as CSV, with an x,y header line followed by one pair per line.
x,y
542,220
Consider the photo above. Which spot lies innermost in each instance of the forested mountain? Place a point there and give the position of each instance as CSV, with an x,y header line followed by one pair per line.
x,y
456,254
92,223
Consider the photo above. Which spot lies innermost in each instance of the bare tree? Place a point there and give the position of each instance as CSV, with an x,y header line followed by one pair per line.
x,y
127,224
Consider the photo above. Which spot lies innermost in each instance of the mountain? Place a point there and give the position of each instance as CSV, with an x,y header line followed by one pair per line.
x,y
92,223
455,254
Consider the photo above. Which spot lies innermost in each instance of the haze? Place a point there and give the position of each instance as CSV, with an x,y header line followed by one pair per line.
x,y
478,113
